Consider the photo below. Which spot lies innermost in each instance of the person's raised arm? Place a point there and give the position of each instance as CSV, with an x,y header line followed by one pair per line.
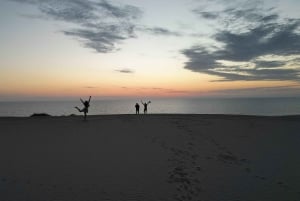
x,y
90,98
82,101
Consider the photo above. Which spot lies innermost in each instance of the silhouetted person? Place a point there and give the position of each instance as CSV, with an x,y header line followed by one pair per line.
x,y
145,106
137,108
86,105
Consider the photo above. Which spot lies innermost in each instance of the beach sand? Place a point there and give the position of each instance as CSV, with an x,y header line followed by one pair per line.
x,y
150,158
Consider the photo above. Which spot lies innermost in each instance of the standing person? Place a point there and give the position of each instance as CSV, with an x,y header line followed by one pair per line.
x,y
145,106
86,105
137,108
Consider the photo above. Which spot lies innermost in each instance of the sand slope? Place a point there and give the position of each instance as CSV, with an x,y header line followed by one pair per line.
x,y
150,157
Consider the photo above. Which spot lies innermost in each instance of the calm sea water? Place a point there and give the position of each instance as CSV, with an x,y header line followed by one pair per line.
x,y
245,106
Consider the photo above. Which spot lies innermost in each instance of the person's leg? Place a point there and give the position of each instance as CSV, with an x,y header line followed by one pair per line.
x,y
79,110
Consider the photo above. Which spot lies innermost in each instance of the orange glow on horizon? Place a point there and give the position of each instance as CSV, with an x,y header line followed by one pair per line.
x,y
178,83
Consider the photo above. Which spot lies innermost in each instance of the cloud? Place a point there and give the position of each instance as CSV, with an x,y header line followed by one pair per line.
x,y
100,25
166,90
125,70
250,40
127,11
207,15
90,87
274,38
269,64
284,91
99,40
160,31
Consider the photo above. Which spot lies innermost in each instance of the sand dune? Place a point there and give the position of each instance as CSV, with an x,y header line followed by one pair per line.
x,y
150,158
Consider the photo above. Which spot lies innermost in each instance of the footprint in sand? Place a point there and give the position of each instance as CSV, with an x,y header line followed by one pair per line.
x,y
187,187
260,177
280,183
154,139
283,185
164,145
208,157
227,157
198,168
248,170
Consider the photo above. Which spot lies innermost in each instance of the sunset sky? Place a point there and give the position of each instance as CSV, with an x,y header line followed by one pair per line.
x,y
137,48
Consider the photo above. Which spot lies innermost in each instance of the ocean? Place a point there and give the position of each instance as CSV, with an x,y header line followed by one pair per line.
x,y
244,106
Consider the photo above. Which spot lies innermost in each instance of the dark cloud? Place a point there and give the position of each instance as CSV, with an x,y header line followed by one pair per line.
x,y
285,90
269,64
256,74
126,11
101,25
274,38
101,41
207,15
125,70
247,36
160,31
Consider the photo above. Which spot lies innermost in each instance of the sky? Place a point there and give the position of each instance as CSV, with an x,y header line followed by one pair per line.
x,y
56,49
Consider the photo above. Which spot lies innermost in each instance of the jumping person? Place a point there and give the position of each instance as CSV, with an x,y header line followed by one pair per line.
x,y
145,106
86,105
137,108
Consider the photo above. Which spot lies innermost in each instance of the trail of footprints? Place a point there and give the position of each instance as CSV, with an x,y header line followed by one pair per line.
x,y
184,168
184,171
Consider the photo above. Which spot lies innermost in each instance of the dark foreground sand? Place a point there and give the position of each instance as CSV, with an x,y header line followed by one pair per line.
x,y
150,158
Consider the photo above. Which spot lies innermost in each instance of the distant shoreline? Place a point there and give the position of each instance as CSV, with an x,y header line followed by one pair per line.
x,y
46,115
265,107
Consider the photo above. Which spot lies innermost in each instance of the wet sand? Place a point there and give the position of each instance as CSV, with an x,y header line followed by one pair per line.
x,y
150,158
